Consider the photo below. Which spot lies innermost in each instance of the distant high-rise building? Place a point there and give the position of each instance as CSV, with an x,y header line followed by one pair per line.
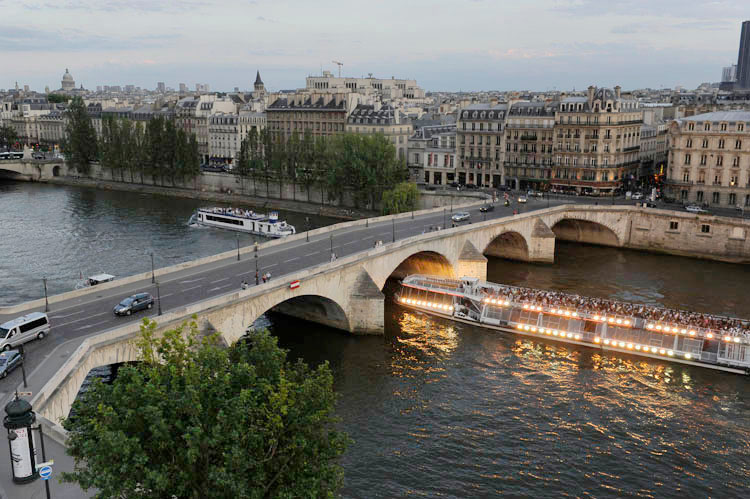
x,y
729,74
161,87
26,88
183,88
743,59
98,88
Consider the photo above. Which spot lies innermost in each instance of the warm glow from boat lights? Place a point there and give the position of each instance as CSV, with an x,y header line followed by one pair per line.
x,y
653,349
567,313
684,331
596,317
688,356
658,328
692,333
578,336
662,351
622,344
709,336
670,352
507,303
575,314
649,326
597,340
519,326
736,339
611,320
525,306
727,338
533,329
627,322
554,333
674,329
450,308
606,342
630,346
637,347
619,321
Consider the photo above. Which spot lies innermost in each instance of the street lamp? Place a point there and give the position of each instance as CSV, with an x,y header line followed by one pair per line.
x,y
445,220
331,236
46,300
238,247
255,251
393,225
158,298
153,277
307,227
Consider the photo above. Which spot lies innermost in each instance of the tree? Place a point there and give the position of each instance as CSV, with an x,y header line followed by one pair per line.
x,y
8,136
194,420
57,98
404,197
80,145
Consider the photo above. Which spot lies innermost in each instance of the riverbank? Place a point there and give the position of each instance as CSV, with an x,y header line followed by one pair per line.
x,y
240,199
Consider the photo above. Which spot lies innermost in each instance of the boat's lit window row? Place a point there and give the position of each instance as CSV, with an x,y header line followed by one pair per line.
x,y
637,347
651,326
495,301
549,332
613,320
427,304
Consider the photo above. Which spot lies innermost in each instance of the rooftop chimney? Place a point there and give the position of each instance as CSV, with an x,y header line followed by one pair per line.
x,y
617,92
591,96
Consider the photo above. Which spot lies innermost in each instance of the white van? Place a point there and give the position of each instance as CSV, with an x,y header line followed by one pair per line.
x,y
23,329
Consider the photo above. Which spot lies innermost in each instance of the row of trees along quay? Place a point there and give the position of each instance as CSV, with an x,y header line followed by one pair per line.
x,y
365,167
195,420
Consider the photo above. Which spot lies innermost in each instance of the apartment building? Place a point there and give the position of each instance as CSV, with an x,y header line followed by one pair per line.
x,y
392,123
228,130
322,113
529,138
432,155
480,146
709,159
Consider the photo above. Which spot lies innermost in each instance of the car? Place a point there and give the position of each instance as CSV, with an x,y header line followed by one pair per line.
x,y
9,360
503,188
637,195
471,186
694,208
461,216
134,303
522,199
487,207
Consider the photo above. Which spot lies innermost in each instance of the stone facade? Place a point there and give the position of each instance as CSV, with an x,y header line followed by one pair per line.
x,y
432,155
529,136
322,113
367,119
480,146
226,132
709,159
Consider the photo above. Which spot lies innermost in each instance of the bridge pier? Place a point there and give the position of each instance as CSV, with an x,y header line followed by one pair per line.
x,y
471,263
542,243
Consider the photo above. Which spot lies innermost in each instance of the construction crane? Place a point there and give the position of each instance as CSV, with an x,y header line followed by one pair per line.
x,y
339,64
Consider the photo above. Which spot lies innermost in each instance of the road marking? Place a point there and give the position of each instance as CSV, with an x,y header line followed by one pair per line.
x,y
368,237
311,254
164,296
81,319
192,280
245,273
194,287
67,315
91,325
269,266
219,287
219,280
351,242
291,260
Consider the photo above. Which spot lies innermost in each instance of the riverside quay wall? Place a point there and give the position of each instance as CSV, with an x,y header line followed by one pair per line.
x,y
210,184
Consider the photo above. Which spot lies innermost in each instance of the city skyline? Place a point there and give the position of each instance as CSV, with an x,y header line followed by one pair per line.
x,y
470,45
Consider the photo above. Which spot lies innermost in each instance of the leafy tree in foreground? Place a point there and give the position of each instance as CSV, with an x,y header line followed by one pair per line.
x,y
195,420
80,145
403,197
8,136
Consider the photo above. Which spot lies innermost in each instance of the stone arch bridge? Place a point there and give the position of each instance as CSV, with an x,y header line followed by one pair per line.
x,y
348,293
33,170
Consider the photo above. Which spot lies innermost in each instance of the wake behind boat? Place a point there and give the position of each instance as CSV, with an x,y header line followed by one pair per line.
x,y
674,335
243,221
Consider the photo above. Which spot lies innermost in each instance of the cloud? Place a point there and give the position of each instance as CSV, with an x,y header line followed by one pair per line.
x,y
20,39
697,9
265,19
117,5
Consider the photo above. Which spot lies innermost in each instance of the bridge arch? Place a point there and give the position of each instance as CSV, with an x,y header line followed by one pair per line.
x,y
508,244
582,230
419,262
314,308
56,171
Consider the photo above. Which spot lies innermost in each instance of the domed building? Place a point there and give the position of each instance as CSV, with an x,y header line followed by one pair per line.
x,y
68,83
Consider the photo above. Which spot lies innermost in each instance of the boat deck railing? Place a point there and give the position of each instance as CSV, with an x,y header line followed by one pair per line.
x,y
237,213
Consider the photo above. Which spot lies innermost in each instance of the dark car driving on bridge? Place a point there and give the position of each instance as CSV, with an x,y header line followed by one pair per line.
x,y
9,360
487,207
135,303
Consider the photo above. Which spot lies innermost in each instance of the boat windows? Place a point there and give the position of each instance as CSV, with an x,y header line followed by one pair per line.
x,y
232,221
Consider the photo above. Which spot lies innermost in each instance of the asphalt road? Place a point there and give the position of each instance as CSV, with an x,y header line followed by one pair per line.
x,y
92,313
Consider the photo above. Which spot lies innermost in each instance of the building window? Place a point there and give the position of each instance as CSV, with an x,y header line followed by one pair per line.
x,y
733,180
738,144
707,127
721,143
673,225
732,199
736,161
719,160
689,143
705,228
691,126
703,160
698,196
715,198
740,127
705,144
686,176
723,127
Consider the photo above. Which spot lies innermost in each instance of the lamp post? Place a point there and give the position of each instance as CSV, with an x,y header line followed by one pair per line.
x,y
393,225
46,300
445,219
238,247
153,276
307,227
331,237
255,251
158,298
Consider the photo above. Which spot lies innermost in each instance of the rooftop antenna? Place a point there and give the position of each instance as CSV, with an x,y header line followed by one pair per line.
x,y
339,64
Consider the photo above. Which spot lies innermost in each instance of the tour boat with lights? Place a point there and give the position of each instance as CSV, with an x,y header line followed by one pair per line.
x,y
498,307
243,221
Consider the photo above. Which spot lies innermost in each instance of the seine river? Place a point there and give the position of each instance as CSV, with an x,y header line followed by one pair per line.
x,y
437,409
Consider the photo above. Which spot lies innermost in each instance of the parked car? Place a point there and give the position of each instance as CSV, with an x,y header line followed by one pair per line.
x,y
636,196
487,207
461,216
9,360
522,199
503,188
694,208
134,303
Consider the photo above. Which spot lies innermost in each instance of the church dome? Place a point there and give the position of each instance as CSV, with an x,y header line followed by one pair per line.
x,y
67,76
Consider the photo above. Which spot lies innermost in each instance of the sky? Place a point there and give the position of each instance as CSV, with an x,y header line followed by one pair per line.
x,y
449,45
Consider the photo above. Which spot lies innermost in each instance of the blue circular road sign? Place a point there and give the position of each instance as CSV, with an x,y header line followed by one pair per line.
x,y
45,472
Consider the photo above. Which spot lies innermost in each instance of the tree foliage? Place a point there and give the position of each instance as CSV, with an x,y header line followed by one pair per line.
x,y
403,197
365,165
160,149
80,145
57,98
8,136
194,420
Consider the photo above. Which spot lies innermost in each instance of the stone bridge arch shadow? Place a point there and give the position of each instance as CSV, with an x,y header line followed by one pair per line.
x,y
510,245
421,262
315,308
579,230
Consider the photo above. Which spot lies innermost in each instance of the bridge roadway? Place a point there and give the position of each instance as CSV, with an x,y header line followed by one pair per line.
x,y
91,313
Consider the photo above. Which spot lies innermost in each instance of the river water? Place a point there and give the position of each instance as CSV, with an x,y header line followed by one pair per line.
x,y
439,409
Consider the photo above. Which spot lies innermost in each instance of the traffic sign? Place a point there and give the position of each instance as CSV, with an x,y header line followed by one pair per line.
x,y
294,284
45,472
